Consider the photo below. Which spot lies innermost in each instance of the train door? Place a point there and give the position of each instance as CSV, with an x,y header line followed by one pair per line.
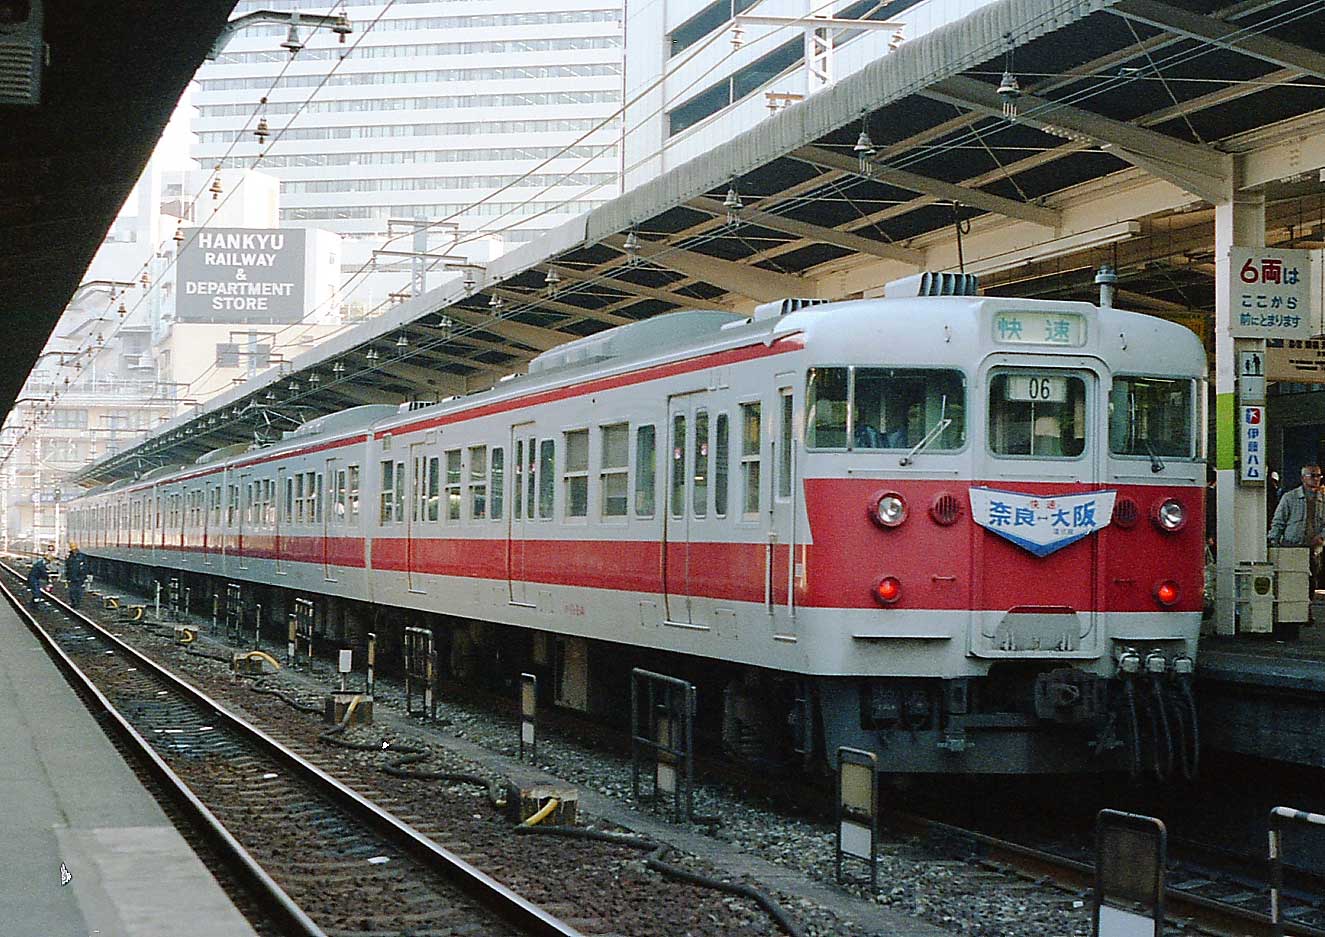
x,y
785,493
521,515
416,515
687,520
284,496
1036,565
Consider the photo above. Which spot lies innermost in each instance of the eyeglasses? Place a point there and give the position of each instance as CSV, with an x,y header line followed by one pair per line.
x,y
1311,475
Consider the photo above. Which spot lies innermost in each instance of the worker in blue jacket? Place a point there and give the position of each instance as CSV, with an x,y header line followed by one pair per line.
x,y
38,576
75,573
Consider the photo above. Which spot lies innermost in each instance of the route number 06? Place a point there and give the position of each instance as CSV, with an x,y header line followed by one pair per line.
x,y
1037,388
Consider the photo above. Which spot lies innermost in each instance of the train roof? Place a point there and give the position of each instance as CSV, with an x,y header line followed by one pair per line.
x,y
1128,341
626,342
344,420
957,327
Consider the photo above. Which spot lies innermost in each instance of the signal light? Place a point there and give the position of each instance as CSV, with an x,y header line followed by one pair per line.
x,y
888,590
1167,592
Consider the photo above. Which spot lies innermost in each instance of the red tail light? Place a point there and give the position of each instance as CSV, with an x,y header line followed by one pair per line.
x,y
888,590
1167,592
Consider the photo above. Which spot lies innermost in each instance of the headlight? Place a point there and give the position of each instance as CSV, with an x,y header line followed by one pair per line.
x,y
1170,516
889,510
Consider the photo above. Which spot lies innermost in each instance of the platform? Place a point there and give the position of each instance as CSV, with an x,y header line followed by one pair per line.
x,y
1263,697
69,798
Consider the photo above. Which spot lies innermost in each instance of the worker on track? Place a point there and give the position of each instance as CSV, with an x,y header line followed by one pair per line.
x,y
38,576
75,573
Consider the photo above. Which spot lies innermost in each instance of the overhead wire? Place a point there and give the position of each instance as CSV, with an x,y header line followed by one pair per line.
x,y
146,268
490,231
950,143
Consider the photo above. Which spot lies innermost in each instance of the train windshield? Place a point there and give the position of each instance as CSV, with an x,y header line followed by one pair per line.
x,y
884,408
1152,416
1037,413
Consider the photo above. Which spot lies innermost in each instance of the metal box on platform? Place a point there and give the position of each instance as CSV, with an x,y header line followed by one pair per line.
x,y
1292,584
1254,588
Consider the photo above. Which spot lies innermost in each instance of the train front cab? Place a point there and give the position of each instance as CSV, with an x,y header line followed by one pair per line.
x,y
1022,586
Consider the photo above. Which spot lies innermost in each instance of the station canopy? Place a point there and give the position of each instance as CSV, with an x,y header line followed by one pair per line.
x,y
1134,118
113,74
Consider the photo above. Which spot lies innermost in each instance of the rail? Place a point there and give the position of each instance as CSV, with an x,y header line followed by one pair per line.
x,y
488,891
270,896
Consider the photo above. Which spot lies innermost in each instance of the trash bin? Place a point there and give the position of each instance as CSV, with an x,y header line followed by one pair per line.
x,y
1254,590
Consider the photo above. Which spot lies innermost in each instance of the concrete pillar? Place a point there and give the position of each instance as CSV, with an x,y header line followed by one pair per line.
x,y
1240,531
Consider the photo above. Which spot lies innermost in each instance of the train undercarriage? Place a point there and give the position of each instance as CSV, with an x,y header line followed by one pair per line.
x,y
1020,718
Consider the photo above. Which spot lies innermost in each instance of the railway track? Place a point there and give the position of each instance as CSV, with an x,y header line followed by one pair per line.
x,y
315,856
1198,898
1226,899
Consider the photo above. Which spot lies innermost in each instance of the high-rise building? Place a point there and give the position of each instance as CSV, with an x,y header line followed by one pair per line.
x,y
495,116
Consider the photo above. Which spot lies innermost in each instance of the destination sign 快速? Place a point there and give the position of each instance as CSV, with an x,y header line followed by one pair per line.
x,y
1061,329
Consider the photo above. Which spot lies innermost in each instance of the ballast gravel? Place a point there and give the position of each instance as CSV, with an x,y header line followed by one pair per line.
x,y
916,879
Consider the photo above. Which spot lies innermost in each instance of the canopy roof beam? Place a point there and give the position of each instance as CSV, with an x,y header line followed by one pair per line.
x,y
742,279
598,275
814,232
1215,32
946,191
1203,171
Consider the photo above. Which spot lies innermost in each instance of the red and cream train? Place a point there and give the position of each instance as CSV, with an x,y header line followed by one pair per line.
x,y
953,530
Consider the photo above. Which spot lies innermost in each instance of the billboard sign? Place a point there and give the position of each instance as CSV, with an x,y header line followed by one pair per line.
x,y
241,275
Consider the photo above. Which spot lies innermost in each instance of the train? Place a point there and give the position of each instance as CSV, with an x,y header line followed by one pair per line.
x,y
963,533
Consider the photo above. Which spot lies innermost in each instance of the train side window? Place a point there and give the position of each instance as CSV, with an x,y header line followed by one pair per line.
x,y
289,499
785,442
352,493
420,479
678,492
720,459
700,487
614,469
299,497
646,470
750,459
434,487
338,497
497,494
399,497
547,483
576,473
529,480
388,492
318,497
519,478
826,406
453,477
478,482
